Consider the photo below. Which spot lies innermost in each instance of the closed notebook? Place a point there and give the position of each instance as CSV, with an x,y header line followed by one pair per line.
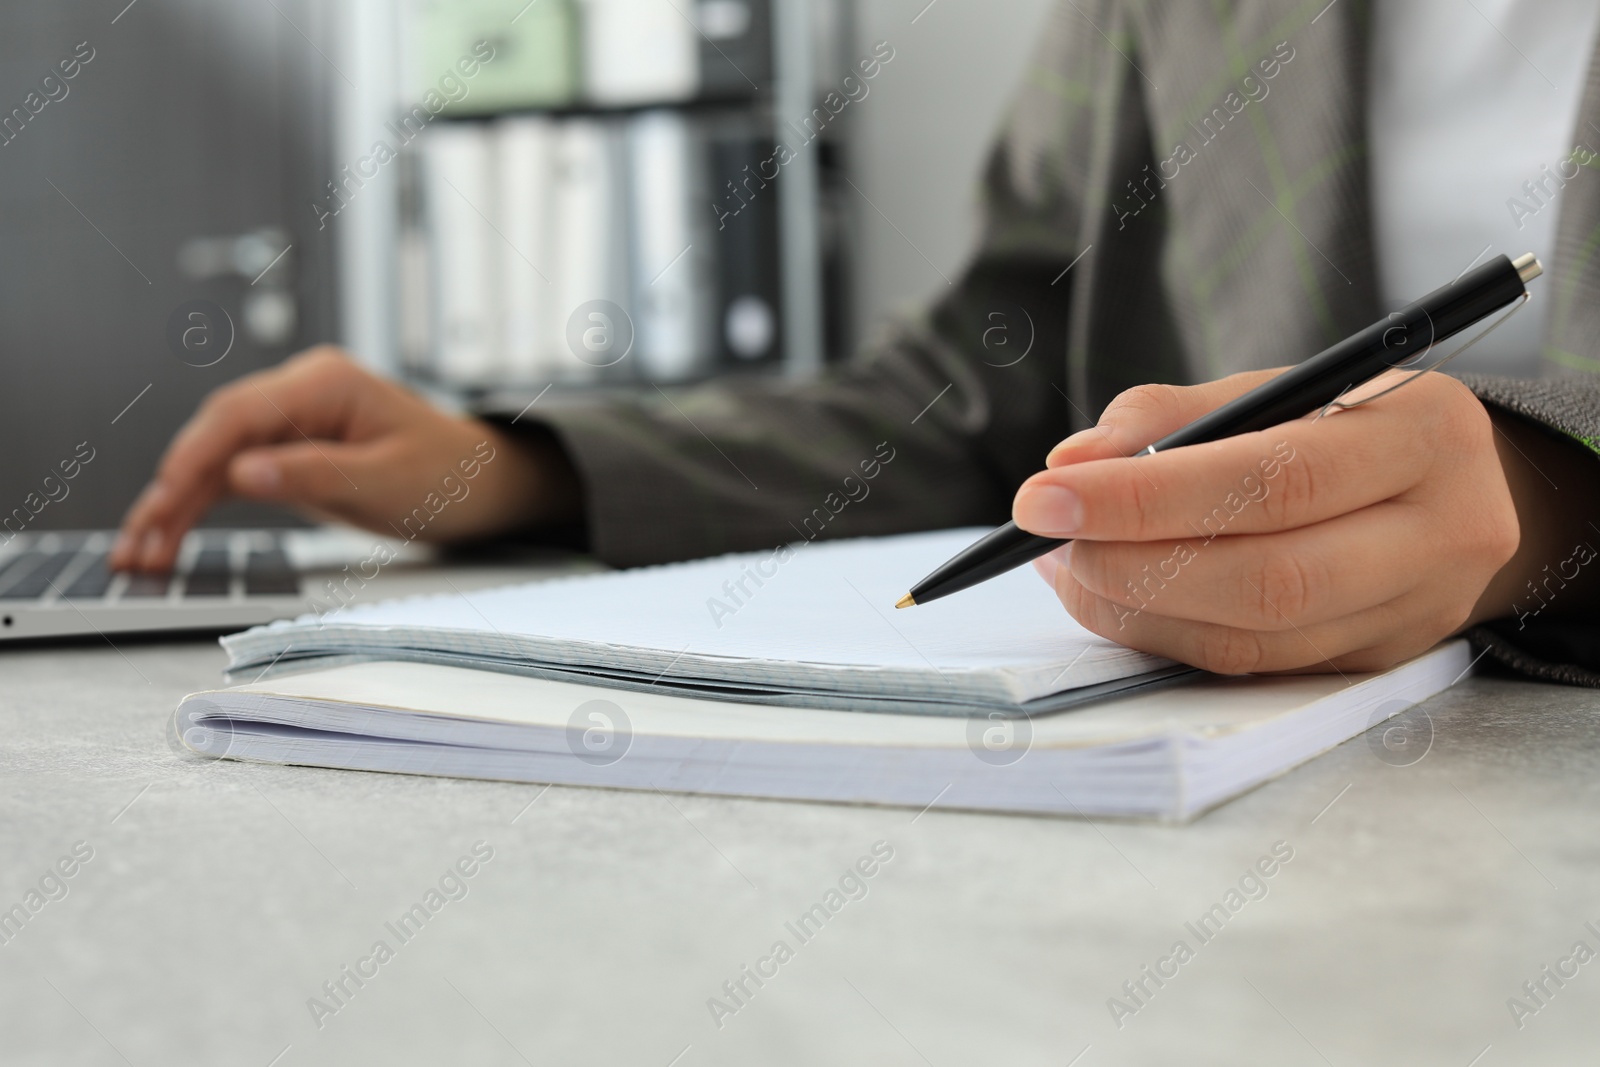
x,y
1166,753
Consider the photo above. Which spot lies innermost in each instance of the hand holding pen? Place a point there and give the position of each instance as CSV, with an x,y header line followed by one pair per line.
x,y
1355,541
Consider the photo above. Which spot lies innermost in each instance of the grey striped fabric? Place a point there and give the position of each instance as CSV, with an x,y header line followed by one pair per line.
x,y
1201,169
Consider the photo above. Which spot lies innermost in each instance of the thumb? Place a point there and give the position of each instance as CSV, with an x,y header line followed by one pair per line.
x,y
324,475
1148,413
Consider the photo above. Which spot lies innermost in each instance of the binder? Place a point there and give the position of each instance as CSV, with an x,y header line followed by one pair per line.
x,y
745,233
528,266
591,218
534,63
529,219
735,48
640,51
671,285
460,202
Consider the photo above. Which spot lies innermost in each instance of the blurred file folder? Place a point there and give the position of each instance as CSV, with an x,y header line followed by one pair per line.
x,y
458,178
640,51
746,233
735,48
526,147
593,201
671,285
535,58
591,245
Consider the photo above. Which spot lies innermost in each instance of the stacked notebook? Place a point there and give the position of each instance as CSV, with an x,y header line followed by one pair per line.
x,y
782,674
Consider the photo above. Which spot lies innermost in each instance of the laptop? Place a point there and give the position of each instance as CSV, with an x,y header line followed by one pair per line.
x,y
57,584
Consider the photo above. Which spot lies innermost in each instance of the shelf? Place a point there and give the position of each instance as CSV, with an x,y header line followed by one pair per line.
x,y
388,266
699,105
515,395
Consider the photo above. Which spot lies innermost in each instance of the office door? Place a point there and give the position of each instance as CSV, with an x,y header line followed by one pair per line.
x,y
157,163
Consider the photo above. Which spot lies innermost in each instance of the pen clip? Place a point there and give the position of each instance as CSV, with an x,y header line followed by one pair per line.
x,y
1337,403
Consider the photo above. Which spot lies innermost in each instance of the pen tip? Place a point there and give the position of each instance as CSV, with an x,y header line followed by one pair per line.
x,y
905,602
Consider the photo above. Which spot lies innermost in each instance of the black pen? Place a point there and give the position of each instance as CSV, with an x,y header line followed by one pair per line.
x,y
1320,380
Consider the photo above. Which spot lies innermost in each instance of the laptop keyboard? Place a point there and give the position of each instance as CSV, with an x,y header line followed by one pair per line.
x,y
35,572
213,565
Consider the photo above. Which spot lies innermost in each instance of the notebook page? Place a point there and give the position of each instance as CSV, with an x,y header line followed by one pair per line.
x,y
1207,707
794,615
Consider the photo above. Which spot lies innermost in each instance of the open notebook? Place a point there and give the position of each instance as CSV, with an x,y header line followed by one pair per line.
x,y
748,675
1168,753
812,625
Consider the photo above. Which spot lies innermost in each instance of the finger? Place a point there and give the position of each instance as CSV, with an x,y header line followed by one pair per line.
x,y
1287,476
153,529
391,485
138,537
1147,413
311,395
1268,582
323,475
152,532
1373,639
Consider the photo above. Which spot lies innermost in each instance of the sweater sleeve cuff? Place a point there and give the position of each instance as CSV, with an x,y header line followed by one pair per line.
x,y
1558,650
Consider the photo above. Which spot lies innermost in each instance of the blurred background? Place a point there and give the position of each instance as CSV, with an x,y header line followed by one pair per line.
x,y
487,199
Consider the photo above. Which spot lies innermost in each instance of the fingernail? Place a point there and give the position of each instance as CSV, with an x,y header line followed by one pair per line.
x,y
259,474
1091,434
1049,510
1081,439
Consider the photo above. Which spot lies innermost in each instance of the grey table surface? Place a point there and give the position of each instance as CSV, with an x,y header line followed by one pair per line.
x,y
1427,884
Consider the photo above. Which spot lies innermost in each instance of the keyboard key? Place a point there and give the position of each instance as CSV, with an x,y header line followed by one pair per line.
x,y
17,566
92,581
37,581
210,575
267,573
147,585
213,560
